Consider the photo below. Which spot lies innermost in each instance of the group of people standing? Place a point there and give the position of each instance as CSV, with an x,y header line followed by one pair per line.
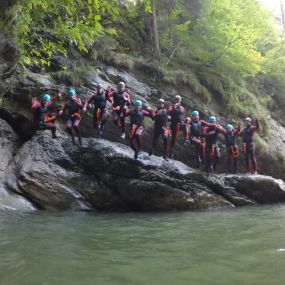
x,y
169,122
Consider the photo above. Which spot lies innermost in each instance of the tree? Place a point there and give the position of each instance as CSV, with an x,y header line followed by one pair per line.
x,y
44,28
229,36
154,29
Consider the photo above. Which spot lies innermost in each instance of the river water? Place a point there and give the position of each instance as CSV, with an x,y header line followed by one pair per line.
x,y
236,246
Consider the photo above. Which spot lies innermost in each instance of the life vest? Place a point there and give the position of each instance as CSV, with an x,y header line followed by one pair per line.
x,y
196,129
99,100
72,108
247,135
160,118
119,98
212,138
177,115
136,117
230,139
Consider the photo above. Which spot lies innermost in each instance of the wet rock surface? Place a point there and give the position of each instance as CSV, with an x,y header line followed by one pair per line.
x,y
100,175
9,146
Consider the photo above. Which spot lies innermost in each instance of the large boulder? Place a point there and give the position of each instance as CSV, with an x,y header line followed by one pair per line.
x,y
260,188
8,55
9,145
103,176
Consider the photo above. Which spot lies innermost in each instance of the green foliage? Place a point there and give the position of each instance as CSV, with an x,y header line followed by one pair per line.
x,y
44,28
261,145
225,38
274,67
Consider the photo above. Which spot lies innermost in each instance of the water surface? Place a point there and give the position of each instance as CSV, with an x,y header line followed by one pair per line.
x,y
236,246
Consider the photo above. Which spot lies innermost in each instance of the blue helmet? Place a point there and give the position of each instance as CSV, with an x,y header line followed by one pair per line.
x,y
46,97
212,119
138,102
195,113
71,92
229,126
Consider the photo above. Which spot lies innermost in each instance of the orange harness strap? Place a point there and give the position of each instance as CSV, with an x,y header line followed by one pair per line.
x,y
98,114
235,151
177,131
133,130
76,115
49,118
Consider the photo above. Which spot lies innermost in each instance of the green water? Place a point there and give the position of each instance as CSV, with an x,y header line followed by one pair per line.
x,y
237,246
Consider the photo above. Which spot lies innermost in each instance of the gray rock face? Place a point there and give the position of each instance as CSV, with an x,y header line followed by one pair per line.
x,y
8,55
9,145
8,60
102,176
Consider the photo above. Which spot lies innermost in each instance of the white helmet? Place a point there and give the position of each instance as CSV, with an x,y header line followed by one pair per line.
x,y
122,84
177,98
161,100
247,119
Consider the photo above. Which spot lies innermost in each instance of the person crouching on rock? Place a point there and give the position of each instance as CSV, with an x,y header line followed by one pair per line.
x,y
212,149
72,109
248,144
160,118
176,112
43,118
137,116
232,149
99,99
121,98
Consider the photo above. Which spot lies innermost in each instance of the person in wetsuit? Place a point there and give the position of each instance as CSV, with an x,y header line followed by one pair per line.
x,y
230,134
72,110
248,144
160,118
121,98
212,150
44,118
194,134
99,100
137,116
176,112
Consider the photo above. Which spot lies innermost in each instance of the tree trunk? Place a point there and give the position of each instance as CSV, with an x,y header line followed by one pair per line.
x,y
154,29
282,14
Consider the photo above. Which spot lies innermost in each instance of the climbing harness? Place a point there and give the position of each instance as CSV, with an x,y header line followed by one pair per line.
x,y
76,116
235,151
133,130
49,118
